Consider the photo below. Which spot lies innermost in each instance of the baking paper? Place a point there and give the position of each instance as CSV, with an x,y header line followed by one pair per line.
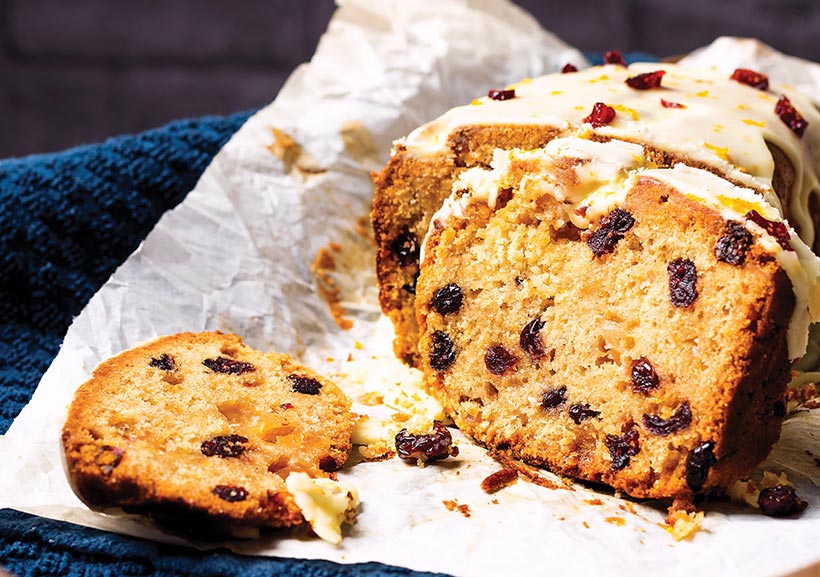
x,y
237,255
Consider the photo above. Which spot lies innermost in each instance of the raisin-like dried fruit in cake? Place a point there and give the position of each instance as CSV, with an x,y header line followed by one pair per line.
x,y
230,493
610,231
751,78
496,94
732,246
224,446
790,117
442,352
580,413
228,366
406,248
698,463
328,464
664,427
644,376
531,341
776,229
614,57
164,362
433,446
601,115
646,81
569,68
554,397
304,385
622,448
683,277
671,104
780,501
499,360
447,299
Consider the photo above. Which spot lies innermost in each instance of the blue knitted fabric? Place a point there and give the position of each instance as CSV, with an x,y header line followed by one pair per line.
x,y
66,222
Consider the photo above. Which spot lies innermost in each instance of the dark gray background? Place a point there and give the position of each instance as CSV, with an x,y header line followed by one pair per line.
x,y
76,71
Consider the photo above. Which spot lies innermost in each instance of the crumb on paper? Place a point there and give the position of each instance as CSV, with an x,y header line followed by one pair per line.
x,y
453,505
617,521
371,398
532,474
323,264
296,160
499,480
358,141
593,502
585,524
683,524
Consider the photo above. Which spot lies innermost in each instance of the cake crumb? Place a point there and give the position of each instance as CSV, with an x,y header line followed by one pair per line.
x,y
593,502
500,479
682,524
617,521
453,505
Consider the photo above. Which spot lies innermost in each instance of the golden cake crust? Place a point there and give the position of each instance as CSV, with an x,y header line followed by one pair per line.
x,y
198,428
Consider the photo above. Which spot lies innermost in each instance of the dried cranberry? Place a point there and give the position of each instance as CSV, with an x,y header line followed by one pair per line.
x,y
530,339
442,353
499,360
601,115
230,493
406,248
750,77
447,299
644,377
622,447
790,116
568,68
496,94
665,427
328,464
611,230
683,277
780,501
304,385
108,458
554,397
614,57
430,447
732,246
228,366
698,464
580,413
776,229
224,446
670,104
646,81
164,362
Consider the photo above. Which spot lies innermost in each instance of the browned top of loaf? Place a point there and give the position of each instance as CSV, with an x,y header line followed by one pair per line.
x,y
200,425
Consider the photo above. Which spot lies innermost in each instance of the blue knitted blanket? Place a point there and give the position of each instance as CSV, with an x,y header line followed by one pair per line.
x,y
66,222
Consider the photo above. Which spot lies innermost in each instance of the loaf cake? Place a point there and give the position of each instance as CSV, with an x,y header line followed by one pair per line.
x,y
204,433
608,272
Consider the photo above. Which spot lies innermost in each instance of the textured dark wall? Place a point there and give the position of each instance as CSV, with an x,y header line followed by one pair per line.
x,y
75,71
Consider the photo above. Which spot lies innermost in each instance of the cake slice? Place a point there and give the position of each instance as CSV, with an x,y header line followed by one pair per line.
x,y
606,270
205,433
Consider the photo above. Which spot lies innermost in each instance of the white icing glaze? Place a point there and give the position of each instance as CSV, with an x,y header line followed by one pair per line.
x,y
724,125
605,172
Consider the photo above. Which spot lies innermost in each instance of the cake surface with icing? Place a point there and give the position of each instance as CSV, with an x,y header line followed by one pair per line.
x,y
620,300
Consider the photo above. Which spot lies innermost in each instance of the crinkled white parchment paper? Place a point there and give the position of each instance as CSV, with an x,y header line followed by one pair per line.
x,y
236,256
